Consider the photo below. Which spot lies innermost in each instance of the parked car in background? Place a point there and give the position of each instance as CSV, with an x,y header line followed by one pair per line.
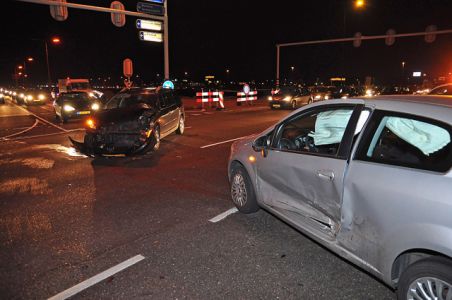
x,y
289,97
321,92
395,90
133,122
35,96
345,92
445,89
75,105
369,179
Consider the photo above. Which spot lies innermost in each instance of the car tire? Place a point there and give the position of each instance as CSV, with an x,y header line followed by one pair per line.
x,y
310,101
294,104
424,273
242,191
181,128
64,119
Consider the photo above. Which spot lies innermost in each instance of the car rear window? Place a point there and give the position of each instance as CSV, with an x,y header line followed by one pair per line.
x,y
407,141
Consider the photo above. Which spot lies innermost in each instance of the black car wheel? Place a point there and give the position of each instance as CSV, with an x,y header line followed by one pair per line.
x,y
242,191
181,128
310,101
429,278
294,104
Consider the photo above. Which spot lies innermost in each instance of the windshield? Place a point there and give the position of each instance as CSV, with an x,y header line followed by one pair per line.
x,y
128,99
80,86
75,96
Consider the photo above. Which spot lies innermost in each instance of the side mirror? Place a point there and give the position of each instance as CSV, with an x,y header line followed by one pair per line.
x,y
262,144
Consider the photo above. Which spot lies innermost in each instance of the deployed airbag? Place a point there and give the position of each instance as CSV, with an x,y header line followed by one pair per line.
x,y
426,137
330,126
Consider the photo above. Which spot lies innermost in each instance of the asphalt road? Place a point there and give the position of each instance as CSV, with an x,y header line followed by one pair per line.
x,y
65,218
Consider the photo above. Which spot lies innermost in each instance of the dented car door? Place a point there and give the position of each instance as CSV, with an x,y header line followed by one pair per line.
x,y
302,175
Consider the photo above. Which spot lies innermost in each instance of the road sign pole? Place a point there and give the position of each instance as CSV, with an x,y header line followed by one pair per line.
x,y
277,64
165,41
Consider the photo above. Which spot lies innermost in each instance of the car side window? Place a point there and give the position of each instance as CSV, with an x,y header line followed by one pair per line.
x,y
168,99
407,141
319,132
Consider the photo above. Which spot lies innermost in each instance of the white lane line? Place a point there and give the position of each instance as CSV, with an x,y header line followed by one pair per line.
x,y
41,135
223,142
223,216
97,278
42,119
14,115
20,132
188,127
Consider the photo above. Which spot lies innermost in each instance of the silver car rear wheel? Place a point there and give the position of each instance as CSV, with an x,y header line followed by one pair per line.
x,y
428,278
429,288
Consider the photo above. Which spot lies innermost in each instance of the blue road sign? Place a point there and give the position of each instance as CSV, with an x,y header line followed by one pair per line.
x,y
149,8
168,85
156,1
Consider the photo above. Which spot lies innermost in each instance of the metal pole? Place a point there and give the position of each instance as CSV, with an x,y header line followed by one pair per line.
x,y
277,64
165,41
49,79
95,8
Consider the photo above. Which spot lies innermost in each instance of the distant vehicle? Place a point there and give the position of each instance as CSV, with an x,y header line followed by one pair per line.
x,y
320,92
348,174
133,122
73,85
2,98
35,96
345,92
395,90
75,105
445,89
17,95
289,97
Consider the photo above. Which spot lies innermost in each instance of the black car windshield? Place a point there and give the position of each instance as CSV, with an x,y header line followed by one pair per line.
x,y
286,90
74,96
128,99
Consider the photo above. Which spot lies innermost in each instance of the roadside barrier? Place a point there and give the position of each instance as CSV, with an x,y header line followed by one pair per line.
x,y
245,97
210,97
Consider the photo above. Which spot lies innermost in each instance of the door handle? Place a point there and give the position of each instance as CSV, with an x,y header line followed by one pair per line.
x,y
325,174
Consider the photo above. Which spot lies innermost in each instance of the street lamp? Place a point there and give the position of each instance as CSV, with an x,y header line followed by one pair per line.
x,y
55,41
360,4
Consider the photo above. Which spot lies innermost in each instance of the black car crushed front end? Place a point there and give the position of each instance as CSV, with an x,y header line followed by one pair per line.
x,y
128,132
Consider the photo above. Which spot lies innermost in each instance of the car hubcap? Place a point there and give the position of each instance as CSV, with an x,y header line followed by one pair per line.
x,y
238,190
429,288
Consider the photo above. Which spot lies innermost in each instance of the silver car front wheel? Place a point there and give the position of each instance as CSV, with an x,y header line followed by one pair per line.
x,y
242,191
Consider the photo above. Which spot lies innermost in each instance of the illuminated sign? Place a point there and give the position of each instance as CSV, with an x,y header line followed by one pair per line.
x,y
168,85
156,1
417,74
149,25
337,79
210,77
151,36
152,9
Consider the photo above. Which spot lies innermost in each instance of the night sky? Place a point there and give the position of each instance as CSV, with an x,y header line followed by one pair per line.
x,y
209,36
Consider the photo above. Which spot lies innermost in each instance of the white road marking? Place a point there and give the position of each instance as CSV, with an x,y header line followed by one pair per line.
x,y
41,135
223,142
223,216
23,131
195,114
42,119
14,115
188,127
97,278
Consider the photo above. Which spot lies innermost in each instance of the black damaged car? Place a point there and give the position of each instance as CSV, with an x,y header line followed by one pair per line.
x,y
133,122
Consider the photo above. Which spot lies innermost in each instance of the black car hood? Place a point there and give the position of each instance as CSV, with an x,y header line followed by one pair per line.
x,y
117,115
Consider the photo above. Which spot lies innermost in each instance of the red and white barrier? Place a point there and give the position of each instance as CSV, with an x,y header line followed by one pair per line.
x,y
208,97
243,97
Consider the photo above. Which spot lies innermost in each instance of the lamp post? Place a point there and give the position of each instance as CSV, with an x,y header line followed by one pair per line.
x,y
55,41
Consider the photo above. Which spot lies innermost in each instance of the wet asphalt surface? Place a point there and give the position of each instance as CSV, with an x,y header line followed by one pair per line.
x,y
65,218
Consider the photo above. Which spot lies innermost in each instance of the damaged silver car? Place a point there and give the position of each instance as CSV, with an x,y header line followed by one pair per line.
x,y
369,179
